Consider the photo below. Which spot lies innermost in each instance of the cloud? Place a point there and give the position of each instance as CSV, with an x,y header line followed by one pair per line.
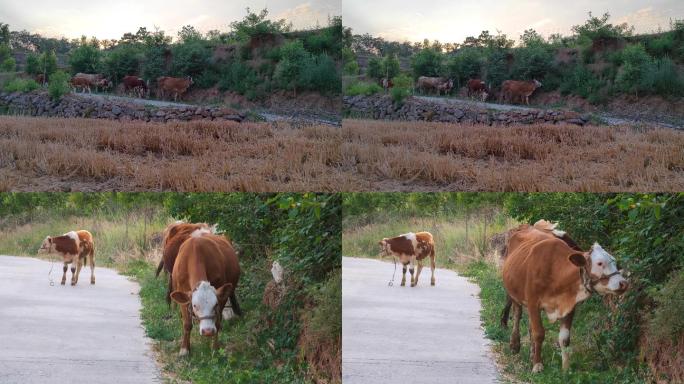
x,y
303,16
645,20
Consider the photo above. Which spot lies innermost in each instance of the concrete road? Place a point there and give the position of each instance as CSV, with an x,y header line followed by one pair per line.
x,y
64,334
411,335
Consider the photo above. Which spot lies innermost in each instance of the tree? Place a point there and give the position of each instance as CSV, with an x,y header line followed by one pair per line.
x,y
374,68
85,58
427,62
257,24
58,85
635,73
598,27
188,33
8,65
4,34
530,37
289,70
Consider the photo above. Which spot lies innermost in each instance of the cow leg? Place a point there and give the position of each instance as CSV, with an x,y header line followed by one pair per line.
x,y
537,332
187,328
79,264
420,268
432,267
91,262
73,270
412,267
515,332
403,276
64,269
564,339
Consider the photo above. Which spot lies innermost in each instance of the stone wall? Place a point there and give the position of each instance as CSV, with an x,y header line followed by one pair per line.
x,y
382,107
38,103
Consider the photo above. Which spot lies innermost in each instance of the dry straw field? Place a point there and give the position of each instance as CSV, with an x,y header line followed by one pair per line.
x,y
434,156
90,155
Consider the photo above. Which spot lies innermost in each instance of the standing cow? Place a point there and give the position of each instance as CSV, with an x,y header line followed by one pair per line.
x,y
411,248
513,89
136,85
427,84
542,271
478,87
75,247
175,86
205,277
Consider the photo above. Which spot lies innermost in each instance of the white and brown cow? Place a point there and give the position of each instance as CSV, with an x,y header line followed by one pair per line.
x,y
410,249
542,271
205,276
74,247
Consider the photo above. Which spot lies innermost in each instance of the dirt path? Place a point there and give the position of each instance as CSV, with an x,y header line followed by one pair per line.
x,y
411,335
64,334
608,118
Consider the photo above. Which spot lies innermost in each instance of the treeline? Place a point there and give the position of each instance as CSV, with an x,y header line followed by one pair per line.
x,y
598,61
256,57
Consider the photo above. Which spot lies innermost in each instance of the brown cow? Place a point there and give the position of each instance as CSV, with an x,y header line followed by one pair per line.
x,y
87,80
514,89
174,236
74,247
477,86
174,85
135,84
409,249
427,84
542,272
205,277
387,84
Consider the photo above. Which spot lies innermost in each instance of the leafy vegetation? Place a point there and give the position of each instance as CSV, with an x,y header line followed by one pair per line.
x,y
599,61
59,85
21,85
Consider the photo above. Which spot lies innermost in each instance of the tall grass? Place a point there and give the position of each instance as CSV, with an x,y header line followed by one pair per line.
x,y
457,241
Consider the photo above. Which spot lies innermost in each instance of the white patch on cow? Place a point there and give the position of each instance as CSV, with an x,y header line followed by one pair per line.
x,y
214,229
558,233
553,315
204,301
582,293
46,246
412,238
604,264
228,313
73,235
277,272
563,335
200,232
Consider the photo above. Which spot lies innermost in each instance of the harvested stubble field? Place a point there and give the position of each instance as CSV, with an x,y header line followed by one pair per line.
x,y
420,156
53,154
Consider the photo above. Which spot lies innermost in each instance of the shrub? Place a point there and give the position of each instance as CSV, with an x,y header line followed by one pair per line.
x,y
86,58
8,65
402,88
363,88
466,64
532,62
666,78
123,60
190,58
351,68
374,68
635,74
43,63
320,74
496,67
238,77
427,62
59,85
582,82
21,85
288,72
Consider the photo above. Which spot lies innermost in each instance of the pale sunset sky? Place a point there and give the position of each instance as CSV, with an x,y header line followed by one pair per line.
x,y
454,20
111,19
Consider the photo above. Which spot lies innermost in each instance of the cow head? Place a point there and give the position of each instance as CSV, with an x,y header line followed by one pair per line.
x,y
599,271
46,246
203,303
537,83
384,251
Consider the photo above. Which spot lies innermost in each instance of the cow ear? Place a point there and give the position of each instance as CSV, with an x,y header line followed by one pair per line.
x,y
224,291
578,259
179,297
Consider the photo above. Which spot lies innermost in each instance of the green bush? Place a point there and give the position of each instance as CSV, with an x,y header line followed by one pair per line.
x,y
666,79
466,64
237,77
190,58
635,75
45,63
363,88
85,59
496,67
351,68
374,68
532,62
320,74
125,59
8,65
427,62
5,52
21,85
289,71
666,321
402,88
582,82
59,85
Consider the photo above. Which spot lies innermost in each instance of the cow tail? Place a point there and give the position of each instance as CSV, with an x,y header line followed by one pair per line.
x,y
506,311
234,304
159,268
168,291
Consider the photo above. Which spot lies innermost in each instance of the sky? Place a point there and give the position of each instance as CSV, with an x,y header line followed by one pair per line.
x,y
454,20
111,19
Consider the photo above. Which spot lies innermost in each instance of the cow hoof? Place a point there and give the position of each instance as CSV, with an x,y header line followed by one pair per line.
x,y
73,283
92,281
515,348
402,284
432,282
63,282
183,352
537,368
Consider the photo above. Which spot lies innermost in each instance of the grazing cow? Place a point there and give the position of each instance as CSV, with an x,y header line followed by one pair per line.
x,y
477,86
135,84
87,80
174,236
174,85
446,87
514,89
80,83
205,277
411,248
75,247
387,84
427,84
542,271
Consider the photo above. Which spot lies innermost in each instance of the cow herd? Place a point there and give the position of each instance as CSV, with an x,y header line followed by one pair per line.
x,y
511,91
202,266
543,270
166,86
